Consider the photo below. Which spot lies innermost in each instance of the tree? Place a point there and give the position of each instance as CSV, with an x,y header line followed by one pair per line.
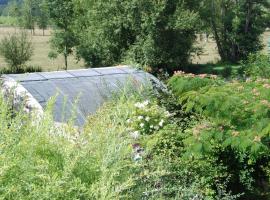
x,y
42,15
29,13
155,33
17,49
62,13
13,9
236,25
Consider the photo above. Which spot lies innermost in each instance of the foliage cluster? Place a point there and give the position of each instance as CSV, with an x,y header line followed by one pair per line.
x,y
63,14
151,33
7,21
148,118
42,161
236,26
17,49
29,13
256,66
234,128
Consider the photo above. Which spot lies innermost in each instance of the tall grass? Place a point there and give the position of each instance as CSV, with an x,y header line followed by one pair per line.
x,y
42,161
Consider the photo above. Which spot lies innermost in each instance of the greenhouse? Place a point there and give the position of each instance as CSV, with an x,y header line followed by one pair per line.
x,y
76,93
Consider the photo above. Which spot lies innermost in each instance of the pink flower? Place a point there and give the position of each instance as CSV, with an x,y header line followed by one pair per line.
x,y
266,85
213,76
202,75
257,139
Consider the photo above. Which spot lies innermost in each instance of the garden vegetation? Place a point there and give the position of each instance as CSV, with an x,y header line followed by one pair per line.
x,y
203,138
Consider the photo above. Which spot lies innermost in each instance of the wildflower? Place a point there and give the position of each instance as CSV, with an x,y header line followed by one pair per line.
x,y
245,102
202,75
136,147
128,121
266,86
140,117
265,102
257,139
179,73
147,119
235,133
137,157
240,87
138,105
135,135
141,125
161,123
255,92
145,103
151,126
248,80
190,75
156,127
212,76
168,114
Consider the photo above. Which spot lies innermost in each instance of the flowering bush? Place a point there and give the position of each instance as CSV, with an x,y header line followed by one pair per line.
x,y
182,82
147,117
234,127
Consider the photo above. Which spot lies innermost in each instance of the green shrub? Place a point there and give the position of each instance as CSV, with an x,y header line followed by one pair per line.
x,y
257,66
8,21
41,161
26,69
157,34
191,82
17,49
234,129
148,117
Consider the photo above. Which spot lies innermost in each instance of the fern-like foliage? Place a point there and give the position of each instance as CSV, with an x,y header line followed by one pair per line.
x,y
235,125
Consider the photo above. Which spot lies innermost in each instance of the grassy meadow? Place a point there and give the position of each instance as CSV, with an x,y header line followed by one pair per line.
x,y
41,51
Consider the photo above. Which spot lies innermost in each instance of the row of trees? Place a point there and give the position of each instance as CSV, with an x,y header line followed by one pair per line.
x,y
29,13
156,33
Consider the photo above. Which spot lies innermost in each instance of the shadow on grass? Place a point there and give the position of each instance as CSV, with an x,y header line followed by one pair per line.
x,y
221,69
27,69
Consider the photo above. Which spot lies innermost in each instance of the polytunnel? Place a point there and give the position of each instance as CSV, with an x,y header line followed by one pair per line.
x,y
77,93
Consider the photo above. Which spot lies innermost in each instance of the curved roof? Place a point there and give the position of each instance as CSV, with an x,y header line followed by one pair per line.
x,y
82,91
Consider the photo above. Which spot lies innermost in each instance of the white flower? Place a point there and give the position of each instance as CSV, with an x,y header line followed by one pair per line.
x,y
147,119
128,121
151,126
141,125
145,103
168,114
135,135
161,123
137,157
139,105
140,117
156,127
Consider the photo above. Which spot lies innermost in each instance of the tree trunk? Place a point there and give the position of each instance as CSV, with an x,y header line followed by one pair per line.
x,y
66,61
248,16
215,31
